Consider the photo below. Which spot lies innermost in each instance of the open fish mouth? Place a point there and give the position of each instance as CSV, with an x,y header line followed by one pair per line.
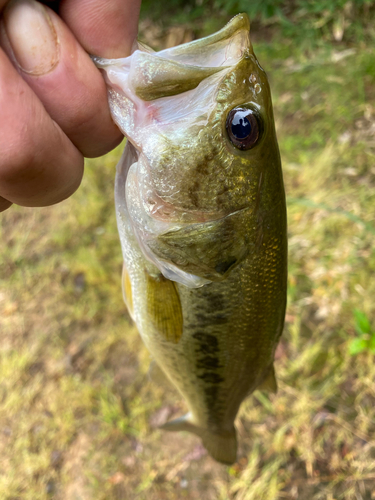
x,y
159,91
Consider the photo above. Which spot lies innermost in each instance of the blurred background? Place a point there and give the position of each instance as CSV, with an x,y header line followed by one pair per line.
x,y
78,412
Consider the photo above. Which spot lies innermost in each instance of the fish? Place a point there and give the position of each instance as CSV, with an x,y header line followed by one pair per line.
x,y
201,214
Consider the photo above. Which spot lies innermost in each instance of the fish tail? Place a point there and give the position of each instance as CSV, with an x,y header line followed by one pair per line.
x,y
221,446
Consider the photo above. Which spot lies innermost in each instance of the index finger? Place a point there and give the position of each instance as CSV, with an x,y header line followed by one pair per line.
x,y
106,29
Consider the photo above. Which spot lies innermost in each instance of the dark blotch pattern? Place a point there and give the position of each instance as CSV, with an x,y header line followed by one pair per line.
x,y
207,365
223,267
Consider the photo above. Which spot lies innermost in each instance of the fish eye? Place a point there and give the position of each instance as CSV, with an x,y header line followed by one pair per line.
x,y
243,128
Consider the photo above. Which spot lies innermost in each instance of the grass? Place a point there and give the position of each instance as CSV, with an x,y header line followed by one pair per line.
x,y
78,412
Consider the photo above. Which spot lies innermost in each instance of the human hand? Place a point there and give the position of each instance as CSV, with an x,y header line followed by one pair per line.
x,y
53,100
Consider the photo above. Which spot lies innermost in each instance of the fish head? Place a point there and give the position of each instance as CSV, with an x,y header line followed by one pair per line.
x,y
199,117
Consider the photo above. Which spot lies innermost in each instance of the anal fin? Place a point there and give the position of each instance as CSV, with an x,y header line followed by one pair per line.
x,y
222,446
269,383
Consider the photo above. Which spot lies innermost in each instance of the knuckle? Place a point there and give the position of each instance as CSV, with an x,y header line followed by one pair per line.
x,y
18,155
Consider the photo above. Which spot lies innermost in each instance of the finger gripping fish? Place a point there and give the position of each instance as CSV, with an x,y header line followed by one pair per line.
x,y
202,220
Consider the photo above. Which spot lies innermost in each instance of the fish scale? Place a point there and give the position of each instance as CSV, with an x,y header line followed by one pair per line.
x,y
202,222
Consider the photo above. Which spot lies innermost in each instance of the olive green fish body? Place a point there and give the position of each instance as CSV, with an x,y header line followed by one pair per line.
x,y
202,220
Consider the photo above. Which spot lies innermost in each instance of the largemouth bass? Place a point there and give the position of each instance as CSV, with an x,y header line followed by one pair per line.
x,y
202,220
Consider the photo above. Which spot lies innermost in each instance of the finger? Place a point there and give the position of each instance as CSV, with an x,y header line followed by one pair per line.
x,y
106,29
4,204
61,74
39,165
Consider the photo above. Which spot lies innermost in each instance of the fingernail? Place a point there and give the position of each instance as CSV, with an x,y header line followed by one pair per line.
x,y
32,36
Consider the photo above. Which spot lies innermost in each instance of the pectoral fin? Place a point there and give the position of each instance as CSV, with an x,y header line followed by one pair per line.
x,y
269,383
164,307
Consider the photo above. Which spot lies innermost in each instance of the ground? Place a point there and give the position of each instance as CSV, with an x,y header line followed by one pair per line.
x,y
78,411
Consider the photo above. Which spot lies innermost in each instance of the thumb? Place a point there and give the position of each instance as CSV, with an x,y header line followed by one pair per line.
x,y
106,29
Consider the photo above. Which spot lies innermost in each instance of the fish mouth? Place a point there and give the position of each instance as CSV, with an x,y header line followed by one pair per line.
x,y
191,248
149,90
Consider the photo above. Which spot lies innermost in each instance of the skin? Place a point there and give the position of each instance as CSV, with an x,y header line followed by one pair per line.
x,y
53,99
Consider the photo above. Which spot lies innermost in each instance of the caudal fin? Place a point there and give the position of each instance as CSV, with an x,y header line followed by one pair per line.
x,y
221,446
